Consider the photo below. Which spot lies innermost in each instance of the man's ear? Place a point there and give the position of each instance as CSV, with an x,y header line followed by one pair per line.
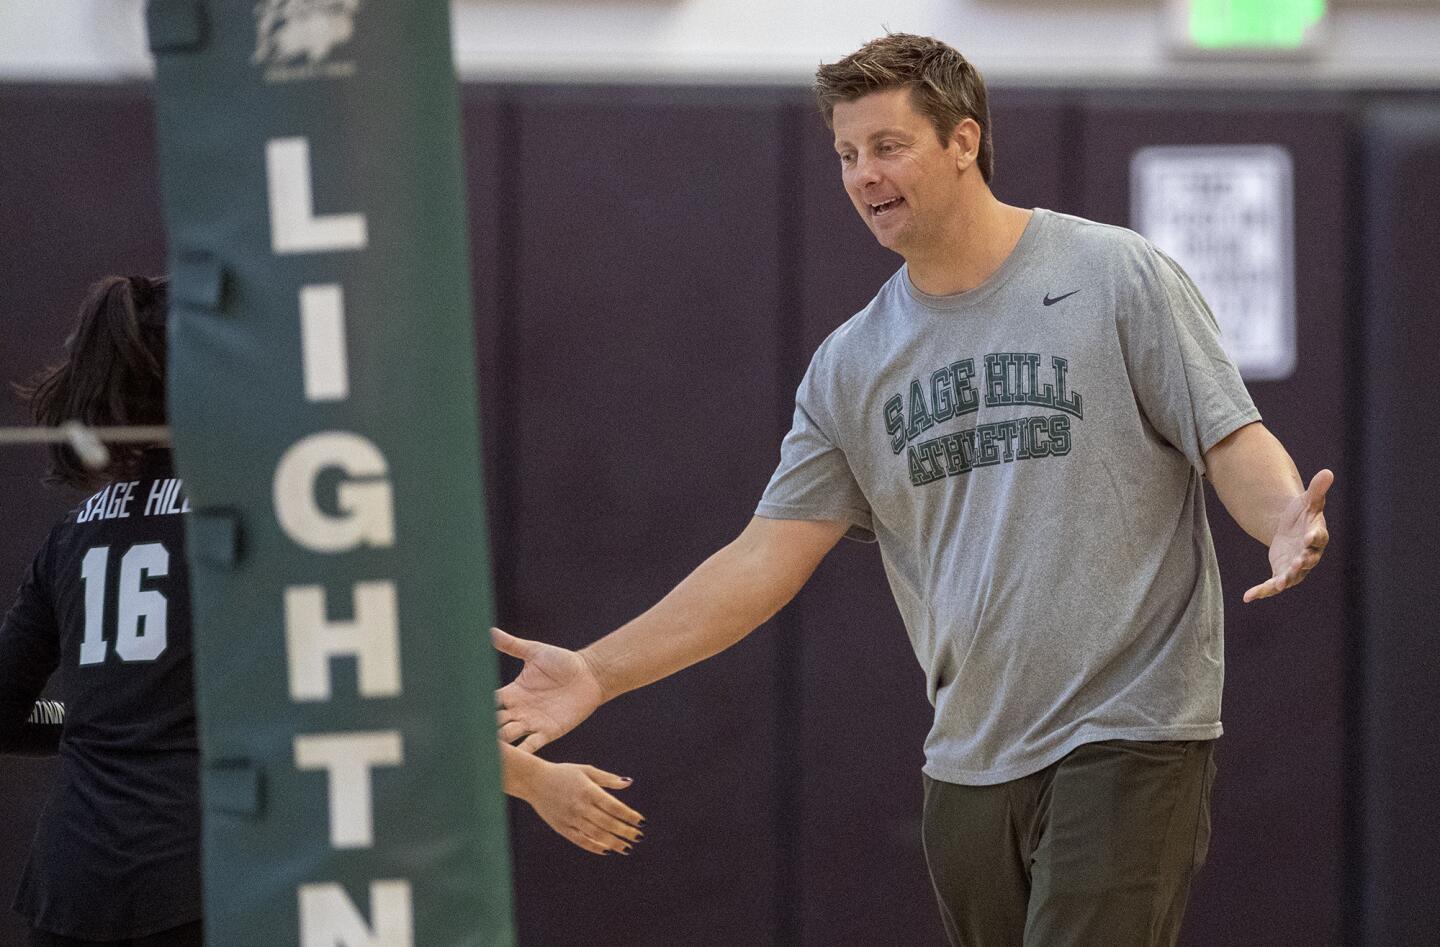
x,y
966,139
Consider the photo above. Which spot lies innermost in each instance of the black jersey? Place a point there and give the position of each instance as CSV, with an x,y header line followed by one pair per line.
x,y
105,608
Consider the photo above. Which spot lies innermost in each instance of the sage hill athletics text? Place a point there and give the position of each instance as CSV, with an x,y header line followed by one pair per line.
x,y
1009,379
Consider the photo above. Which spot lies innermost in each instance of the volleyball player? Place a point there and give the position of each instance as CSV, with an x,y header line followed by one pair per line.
x,y
104,611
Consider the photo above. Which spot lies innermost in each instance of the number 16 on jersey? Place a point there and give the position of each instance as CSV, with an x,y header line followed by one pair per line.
x,y
140,612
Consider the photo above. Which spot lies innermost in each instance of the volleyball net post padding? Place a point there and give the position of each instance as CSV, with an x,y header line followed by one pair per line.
x,y
323,415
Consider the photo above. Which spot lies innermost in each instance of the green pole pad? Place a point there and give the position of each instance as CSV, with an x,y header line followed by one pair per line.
x,y
323,411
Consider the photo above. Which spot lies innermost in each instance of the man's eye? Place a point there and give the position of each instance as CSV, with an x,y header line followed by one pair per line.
x,y
847,158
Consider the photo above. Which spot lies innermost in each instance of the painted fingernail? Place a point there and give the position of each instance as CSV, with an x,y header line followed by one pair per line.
x,y
625,851
641,822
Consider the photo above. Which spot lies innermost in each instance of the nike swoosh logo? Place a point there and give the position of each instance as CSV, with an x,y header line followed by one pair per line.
x,y
1051,302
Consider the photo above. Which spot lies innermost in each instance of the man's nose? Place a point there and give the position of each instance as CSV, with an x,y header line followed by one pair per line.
x,y
863,172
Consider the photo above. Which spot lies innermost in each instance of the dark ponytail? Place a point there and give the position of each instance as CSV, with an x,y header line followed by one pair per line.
x,y
113,374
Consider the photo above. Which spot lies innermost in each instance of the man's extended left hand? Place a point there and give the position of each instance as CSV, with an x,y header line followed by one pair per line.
x,y
1299,541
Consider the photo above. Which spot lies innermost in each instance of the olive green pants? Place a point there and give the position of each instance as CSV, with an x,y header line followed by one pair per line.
x,y
1097,849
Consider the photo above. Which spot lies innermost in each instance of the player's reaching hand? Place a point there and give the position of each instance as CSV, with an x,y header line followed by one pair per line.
x,y
554,692
1299,541
572,800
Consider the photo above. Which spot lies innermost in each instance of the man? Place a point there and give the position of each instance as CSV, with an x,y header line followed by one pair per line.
x,y
1022,417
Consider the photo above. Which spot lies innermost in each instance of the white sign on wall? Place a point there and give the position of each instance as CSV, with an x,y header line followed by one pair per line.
x,y
1226,215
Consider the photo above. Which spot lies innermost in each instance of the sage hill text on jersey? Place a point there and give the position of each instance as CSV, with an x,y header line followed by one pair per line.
x,y
117,501
954,391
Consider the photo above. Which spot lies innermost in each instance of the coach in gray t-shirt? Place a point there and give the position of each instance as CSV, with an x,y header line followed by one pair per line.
x,y
1022,417
1029,455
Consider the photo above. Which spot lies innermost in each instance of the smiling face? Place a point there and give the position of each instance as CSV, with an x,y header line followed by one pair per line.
x,y
905,184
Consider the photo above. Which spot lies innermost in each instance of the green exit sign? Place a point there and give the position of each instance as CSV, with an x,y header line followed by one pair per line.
x,y
1251,25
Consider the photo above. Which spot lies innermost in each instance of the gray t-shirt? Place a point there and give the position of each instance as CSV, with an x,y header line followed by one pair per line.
x,y
1029,455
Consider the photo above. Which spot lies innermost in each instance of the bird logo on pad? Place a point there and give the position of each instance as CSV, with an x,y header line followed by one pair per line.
x,y
294,39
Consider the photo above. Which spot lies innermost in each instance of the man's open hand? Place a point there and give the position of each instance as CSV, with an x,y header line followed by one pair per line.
x,y
554,692
1299,541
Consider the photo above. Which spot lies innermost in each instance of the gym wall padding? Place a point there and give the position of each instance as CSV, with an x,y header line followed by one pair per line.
x,y
1276,871
80,198
1400,338
638,416
652,268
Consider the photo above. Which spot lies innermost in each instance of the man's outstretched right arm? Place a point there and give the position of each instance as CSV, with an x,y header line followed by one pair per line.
x,y
728,596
